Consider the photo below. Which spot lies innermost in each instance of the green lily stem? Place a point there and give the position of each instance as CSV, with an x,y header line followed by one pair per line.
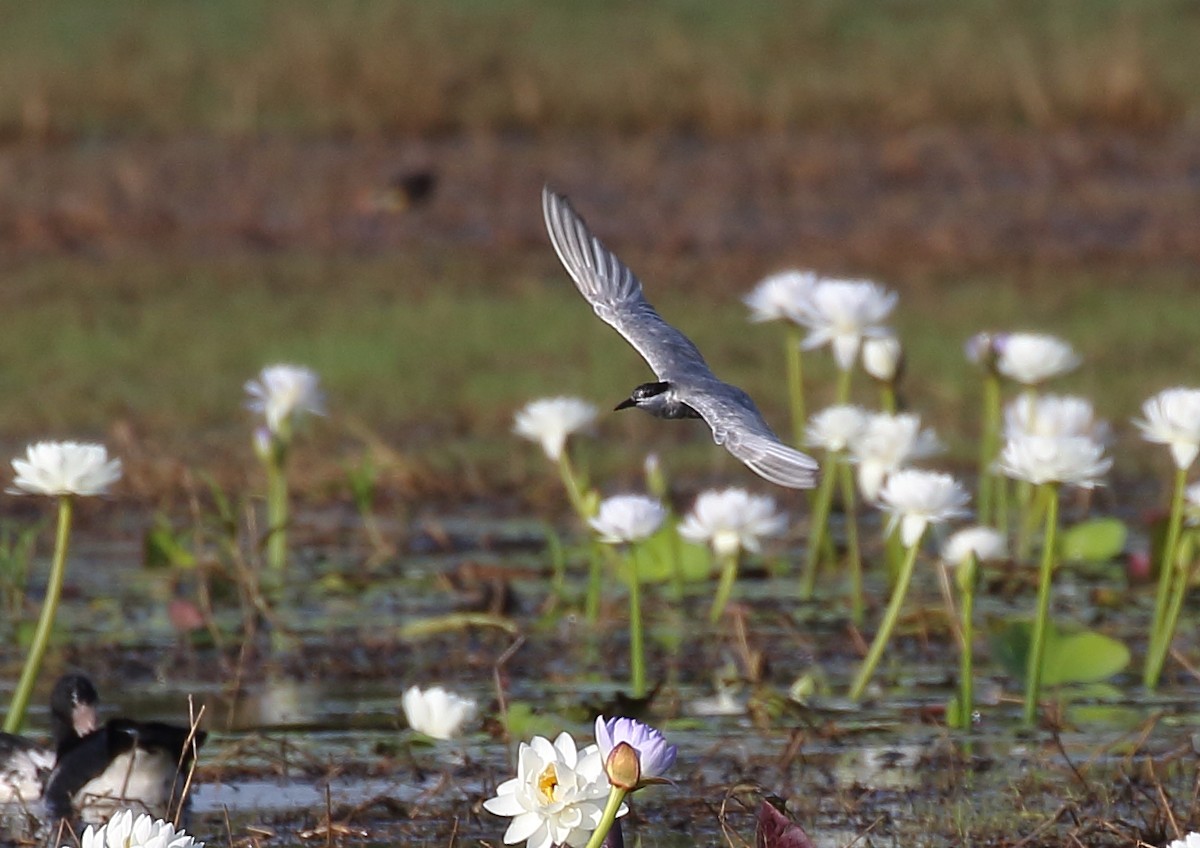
x,y
849,510
842,393
1160,646
277,513
820,527
615,796
887,398
794,354
729,569
966,685
574,491
1166,566
15,716
1037,645
890,617
989,446
637,650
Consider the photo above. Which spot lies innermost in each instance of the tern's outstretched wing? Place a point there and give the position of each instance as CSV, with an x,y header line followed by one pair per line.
x,y
616,295
739,426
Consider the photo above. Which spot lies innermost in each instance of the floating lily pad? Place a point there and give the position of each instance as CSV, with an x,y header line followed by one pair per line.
x,y
1083,656
1096,540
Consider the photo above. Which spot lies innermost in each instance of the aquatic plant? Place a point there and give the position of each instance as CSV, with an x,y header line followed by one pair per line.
x,y
558,795
964,551
1052,417
284,395
883,360
730,521
915,499
125,831
635,755
64,470
886,444
841,313
1049,462
437,713
627,520
1033,358
1171,418
982,349
782,297
549,422
834,429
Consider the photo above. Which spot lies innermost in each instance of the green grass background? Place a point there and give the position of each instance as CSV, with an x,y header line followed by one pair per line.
x,y
432,349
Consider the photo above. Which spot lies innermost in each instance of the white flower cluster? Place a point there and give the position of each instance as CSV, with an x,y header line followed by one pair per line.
x,y
559,793
840,313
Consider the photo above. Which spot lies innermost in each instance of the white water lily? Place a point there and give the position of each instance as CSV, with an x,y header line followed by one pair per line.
x,y
628,518
1172,418
841,313
917,498
283,394
882,357
731,520
836,428
781,296
983,543
885,445
1075,460
557,797
549,421
1054,416
64,468
436,712
125,831
1032,358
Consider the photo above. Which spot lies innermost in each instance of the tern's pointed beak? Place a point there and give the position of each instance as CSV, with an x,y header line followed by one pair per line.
x,y
625,404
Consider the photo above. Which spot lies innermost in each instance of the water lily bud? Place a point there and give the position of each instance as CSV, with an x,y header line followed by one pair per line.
x,y
984,349
882,357
624,767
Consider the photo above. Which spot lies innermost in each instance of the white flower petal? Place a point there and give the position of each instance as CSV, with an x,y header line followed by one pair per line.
x,y
436,712
550,421
1031,358
918,498
628,518
65,468
732,519
283,394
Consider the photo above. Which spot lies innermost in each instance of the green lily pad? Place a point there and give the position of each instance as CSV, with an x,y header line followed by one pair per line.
x,y
662,553
1096,540
1083,656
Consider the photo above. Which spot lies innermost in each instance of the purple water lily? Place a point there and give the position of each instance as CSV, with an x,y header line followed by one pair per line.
x,y
655,754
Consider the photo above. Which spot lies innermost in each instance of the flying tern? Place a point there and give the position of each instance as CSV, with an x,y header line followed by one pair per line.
x,y
686,386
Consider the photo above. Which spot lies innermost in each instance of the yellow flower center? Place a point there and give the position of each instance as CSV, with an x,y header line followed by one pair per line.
x,y
547,782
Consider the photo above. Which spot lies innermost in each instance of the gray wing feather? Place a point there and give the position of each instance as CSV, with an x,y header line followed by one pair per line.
x,y
616,295
739,426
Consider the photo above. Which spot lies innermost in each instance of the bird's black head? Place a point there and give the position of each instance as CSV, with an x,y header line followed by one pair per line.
x,y
642,392
73,707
